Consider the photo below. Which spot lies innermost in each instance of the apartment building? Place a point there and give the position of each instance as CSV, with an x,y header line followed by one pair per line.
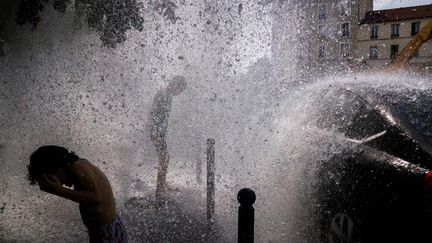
x,y
337,28
383,34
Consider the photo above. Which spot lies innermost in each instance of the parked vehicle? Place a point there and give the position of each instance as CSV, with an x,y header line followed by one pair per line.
x,y
378,190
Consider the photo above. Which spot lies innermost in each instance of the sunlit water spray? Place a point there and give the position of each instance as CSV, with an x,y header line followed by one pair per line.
x,y
59,86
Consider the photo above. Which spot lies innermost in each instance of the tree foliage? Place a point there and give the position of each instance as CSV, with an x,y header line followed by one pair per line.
x,y
112,18
166,8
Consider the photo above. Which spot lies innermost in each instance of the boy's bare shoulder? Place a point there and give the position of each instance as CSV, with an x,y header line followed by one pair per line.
x,y
84,175
80,164
82,167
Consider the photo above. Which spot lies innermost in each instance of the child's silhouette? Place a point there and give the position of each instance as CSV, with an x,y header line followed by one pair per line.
x,y
52,167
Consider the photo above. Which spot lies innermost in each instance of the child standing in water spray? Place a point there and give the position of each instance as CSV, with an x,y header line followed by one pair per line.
x,y
53,167
158,125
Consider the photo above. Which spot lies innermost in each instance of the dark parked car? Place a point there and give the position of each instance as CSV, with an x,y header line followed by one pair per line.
x,y
378,190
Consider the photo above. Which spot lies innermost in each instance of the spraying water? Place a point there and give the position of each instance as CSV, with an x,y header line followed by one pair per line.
x,y
60,86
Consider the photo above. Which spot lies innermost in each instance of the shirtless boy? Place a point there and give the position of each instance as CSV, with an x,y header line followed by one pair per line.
x,y
158,125
52,167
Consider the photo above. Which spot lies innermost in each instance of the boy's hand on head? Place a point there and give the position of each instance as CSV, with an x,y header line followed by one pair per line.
x,y
49,183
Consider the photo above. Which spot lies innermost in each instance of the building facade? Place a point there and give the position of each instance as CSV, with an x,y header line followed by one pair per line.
x,y
383,34
336,24
348,33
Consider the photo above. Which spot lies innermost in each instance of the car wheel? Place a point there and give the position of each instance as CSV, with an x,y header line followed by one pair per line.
x,y
342,229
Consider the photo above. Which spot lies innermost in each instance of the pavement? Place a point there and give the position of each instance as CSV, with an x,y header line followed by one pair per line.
x,y
181,218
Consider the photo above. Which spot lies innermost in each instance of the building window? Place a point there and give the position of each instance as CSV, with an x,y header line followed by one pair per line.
x,y
345,8
395,30
394,51
322,14
415,28
345,30
374,32
344,49
373,52
321,31
321,51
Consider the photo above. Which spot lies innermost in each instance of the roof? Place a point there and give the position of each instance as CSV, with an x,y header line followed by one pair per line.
x,y
398,14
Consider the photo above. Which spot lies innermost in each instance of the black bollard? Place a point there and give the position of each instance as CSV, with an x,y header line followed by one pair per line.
x,y
210,181
246,197
2,48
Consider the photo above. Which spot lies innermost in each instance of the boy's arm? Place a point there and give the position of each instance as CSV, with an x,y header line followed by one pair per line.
x,y
82,197
87,191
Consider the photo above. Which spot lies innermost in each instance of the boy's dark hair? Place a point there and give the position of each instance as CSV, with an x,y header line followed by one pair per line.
x,y
47,159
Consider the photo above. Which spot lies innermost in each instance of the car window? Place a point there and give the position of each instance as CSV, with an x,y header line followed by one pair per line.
x,y
349,114
365,123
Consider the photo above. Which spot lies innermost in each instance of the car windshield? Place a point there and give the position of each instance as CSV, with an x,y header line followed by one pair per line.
x,y
414,109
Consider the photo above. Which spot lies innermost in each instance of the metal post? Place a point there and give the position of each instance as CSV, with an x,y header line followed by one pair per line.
x,y
246,197
198,168
210,181
2,39
198,171
2,47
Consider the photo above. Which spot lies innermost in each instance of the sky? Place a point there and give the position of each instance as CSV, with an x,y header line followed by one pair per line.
x,y
386,4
